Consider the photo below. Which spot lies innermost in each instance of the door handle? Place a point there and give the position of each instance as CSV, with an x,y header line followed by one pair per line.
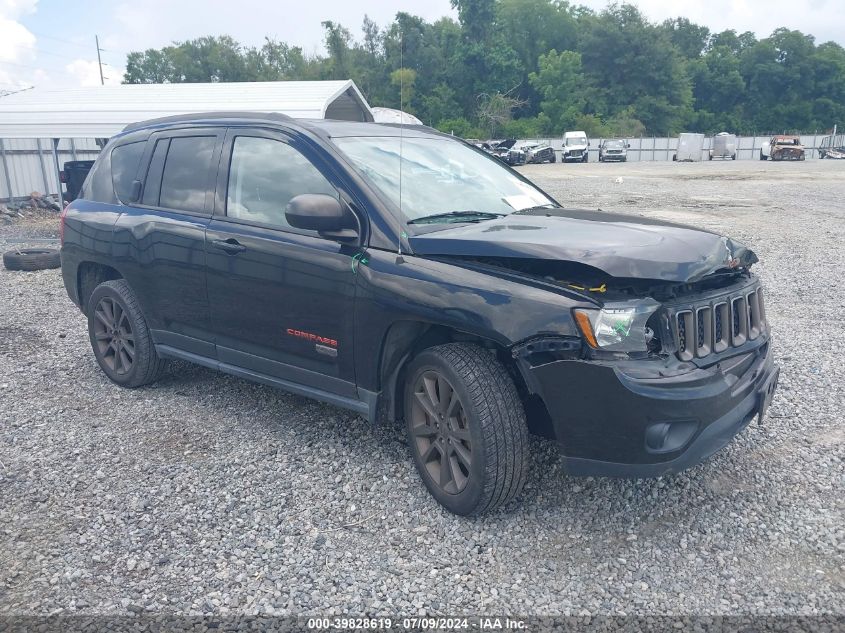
x,y
231,246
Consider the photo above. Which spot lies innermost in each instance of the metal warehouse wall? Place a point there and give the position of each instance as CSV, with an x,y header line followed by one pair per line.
x,y
26,165
662,148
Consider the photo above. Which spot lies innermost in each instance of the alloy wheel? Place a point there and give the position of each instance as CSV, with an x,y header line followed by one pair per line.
x,y
440,432
113,336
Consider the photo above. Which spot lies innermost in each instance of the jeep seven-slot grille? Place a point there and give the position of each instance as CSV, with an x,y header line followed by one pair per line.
x,y
713,327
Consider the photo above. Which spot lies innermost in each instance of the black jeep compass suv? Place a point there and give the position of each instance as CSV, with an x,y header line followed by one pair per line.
x,y
402,273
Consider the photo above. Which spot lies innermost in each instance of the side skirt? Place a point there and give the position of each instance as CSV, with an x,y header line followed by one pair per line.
x,y
365,406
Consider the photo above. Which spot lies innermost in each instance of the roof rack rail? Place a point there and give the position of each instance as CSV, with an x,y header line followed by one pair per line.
x,y
205,116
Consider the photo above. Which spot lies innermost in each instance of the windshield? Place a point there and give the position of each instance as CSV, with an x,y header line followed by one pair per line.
x,y
439,176
613,144
579,140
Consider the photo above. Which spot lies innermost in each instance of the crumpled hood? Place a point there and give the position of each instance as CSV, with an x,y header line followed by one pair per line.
x,y
619,245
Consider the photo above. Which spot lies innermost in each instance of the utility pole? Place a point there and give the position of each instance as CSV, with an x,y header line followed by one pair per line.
x,y
99,61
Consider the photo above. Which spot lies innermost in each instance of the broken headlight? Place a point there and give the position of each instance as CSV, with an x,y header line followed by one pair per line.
x,y
618,327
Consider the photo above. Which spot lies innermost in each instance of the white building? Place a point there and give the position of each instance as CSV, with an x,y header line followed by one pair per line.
x,y
40,129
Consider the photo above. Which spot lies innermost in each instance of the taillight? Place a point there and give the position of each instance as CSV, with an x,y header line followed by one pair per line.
x,y
62,225
63,176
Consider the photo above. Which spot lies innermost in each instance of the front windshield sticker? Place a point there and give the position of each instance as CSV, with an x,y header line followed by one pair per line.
x,y
520,202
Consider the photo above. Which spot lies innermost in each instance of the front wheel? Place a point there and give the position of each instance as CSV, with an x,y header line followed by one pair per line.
x,y
466,428
120,337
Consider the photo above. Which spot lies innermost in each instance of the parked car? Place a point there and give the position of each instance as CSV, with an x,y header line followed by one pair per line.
x,y
575,147
723,146
613,149
471,306
833,147
783,147
690,148
516,156
501,149
73,174
538,153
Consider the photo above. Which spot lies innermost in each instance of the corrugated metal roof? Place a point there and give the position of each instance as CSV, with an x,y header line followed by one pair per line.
x,y
102,111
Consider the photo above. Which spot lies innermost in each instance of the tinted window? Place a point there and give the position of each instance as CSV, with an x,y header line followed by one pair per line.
x,y
124,168
185,178
264,175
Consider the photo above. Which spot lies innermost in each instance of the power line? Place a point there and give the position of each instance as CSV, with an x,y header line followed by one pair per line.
x,y
85,46
29,66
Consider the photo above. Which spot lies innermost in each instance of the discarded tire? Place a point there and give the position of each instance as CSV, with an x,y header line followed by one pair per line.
x,y
32,259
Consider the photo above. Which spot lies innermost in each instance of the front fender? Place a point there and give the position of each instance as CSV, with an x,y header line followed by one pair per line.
x,y
394,289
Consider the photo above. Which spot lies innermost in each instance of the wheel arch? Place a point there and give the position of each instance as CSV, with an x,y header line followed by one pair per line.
x,y
89,275
404,340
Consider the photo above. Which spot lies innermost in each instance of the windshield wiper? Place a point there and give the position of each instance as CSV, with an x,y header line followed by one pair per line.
x,y
538,210
456,216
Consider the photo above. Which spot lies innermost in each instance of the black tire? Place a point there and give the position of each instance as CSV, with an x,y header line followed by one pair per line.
x,y
763,156
110,342
491,418
553,159
32,259
586,158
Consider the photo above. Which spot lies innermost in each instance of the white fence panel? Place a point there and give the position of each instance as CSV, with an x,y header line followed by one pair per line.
x,y
650,148
26,165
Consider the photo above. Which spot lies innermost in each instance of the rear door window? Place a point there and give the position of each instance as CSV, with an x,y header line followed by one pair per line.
x,y
185,180
124,168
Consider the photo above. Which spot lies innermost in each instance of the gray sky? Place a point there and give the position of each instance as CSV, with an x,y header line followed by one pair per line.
x,y
51,42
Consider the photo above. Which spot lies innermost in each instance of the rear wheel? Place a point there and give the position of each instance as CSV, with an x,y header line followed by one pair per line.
x,y
466,428
120,337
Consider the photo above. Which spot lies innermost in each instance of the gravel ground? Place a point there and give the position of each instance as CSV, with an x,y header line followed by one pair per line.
x,y
205,493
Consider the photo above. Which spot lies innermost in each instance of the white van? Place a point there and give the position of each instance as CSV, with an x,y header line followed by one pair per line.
x,y
575,147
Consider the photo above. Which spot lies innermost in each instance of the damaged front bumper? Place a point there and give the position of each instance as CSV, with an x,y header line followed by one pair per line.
x,y
644,418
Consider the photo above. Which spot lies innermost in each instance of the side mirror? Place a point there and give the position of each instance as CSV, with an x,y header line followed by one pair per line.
x,y
322,213
627,146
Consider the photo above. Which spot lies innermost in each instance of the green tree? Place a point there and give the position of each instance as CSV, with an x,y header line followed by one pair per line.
x,y
403,79
632,63
689,38
561,85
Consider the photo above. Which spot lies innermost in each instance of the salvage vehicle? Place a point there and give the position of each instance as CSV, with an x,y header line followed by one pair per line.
x,y
723,146
516,156
783,147
538,153
408,276
501,149
833,147
690,148
575,147
613,149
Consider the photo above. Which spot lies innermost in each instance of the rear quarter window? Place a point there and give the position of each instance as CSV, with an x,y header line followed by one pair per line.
x,y
124,167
